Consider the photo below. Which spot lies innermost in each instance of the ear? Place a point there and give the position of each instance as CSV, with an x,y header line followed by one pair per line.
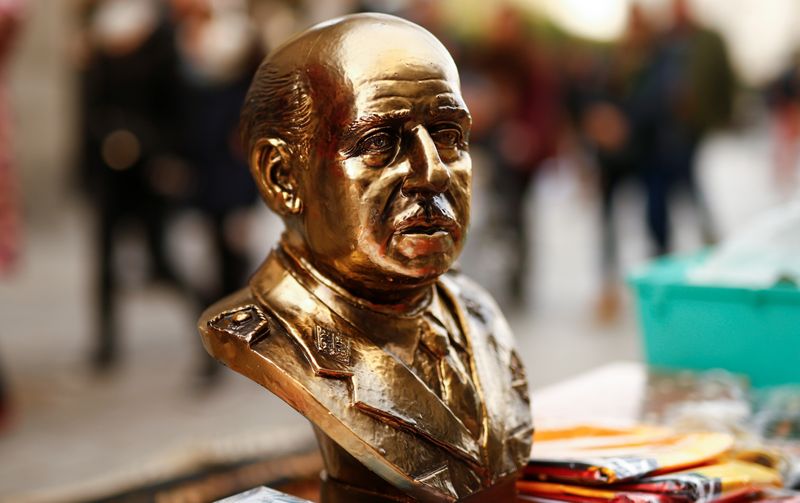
x,y
273,169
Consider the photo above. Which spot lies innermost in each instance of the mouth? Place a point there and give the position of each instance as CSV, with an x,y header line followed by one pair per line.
x,y
421,226
427,230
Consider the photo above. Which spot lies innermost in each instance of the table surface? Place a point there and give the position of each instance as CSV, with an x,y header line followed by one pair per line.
x,y
611,395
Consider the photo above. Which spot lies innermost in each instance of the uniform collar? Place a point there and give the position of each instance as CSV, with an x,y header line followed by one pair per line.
x,y
395,327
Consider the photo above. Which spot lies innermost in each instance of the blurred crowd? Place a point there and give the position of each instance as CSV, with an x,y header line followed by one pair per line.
x,y
629,112
162,82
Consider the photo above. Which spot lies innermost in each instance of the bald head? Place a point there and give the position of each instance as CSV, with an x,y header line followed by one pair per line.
x,y
317,75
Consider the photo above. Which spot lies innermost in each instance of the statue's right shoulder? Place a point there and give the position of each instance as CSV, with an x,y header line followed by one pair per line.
x,y
238,319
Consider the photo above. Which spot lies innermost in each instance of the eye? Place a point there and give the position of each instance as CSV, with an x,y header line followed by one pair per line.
x,y
379,148
378,142
447,138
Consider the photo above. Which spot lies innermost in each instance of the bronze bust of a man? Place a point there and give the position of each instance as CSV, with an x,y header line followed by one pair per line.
x,y
357,136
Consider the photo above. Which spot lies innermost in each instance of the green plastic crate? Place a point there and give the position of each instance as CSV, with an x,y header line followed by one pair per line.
x,y
755,332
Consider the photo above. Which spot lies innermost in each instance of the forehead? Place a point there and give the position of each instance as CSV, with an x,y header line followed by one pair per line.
x,y
389,94
393,67
371,49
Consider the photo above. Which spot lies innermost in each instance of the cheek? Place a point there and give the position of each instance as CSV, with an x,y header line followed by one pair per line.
x,y
358,202
463,171
356,182
463,181
370,190
461,186
329,220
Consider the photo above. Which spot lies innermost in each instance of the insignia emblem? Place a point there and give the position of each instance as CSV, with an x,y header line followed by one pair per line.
x,y
247,323
332,344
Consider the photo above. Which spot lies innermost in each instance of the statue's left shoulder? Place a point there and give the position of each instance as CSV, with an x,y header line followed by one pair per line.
x,y
479,305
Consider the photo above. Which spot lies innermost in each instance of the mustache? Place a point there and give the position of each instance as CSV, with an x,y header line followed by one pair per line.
x,y
434,213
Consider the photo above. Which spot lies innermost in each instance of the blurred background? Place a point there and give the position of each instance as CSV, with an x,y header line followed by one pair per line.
x,y
606,133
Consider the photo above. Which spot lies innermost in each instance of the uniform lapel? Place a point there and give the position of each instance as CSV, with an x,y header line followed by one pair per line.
x,y
488,375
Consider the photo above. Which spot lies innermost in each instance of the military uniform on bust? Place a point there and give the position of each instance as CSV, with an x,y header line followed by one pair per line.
x,y
467,415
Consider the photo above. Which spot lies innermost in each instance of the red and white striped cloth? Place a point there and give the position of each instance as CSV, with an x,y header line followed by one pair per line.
x,y
11,13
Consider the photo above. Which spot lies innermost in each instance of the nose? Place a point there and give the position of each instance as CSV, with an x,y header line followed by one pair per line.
x,y
427,172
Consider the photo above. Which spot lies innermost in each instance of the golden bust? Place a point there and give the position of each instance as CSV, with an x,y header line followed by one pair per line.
x,y
357,135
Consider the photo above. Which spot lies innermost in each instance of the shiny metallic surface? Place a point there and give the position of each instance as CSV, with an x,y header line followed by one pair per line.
x,y
357,136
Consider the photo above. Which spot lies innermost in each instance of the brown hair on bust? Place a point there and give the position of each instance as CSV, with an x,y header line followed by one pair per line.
x,y
278,105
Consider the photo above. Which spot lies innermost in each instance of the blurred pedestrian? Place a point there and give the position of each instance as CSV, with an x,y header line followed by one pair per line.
x,y
521,129
606,100
689,92
11,13
129,114
219,53
784,101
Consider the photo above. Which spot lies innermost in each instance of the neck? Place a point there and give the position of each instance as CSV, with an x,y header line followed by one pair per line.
x,y
398,301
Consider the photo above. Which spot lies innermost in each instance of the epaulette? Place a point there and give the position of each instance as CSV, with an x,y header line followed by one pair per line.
x,y
247,322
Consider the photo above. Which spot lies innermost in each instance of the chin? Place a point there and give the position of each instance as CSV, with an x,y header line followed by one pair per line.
x,y
421,257
424,268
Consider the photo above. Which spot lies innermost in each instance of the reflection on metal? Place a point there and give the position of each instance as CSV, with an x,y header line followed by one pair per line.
x,y
357,136
262,495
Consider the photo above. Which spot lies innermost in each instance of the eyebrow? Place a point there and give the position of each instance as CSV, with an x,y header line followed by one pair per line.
x,y
372,121
454,111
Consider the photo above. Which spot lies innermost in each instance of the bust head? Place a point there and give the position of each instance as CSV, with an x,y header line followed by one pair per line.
x,y
357,136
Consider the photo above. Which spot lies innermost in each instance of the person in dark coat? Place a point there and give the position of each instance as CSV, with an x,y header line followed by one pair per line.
x,y
129,114
219,54
521,131
689,93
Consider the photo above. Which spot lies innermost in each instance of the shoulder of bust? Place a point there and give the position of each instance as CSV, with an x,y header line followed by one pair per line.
x,y
238,317
468,287
244,327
